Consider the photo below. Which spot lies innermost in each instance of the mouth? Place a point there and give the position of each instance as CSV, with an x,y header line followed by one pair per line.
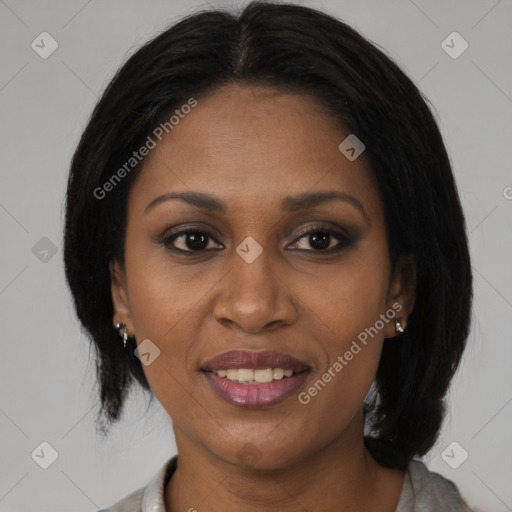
x,y
255,379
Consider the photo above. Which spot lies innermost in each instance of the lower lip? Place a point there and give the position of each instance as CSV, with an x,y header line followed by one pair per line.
x,y
255,395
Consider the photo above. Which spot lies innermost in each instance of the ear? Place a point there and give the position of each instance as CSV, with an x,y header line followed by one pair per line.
x,y
120,300
402,294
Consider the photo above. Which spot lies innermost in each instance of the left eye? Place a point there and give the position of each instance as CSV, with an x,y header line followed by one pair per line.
x,y
320,240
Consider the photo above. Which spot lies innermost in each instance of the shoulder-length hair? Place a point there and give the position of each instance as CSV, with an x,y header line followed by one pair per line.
x,y
301,50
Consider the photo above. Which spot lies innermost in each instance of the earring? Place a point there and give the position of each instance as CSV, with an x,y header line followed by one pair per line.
x,y
398,326
123,332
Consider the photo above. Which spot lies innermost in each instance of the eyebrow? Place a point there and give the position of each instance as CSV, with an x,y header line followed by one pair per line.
x,y
291,204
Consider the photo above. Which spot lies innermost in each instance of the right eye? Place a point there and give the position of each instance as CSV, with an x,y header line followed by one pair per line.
x,y
191,240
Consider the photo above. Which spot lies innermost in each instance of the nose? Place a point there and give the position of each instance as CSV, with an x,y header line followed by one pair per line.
x,y
255,297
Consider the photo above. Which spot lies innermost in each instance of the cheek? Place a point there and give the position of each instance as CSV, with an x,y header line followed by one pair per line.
x,y
163,312
348,311
163,309
160,291
349,296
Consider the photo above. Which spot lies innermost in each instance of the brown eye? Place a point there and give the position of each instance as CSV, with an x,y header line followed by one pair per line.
x,y
190,240
322,239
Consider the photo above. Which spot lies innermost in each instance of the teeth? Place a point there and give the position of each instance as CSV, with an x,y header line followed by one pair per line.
x,y
232,374
278,373
260,376
246,375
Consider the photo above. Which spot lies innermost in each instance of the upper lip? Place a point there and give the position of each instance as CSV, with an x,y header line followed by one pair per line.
x,y
254,360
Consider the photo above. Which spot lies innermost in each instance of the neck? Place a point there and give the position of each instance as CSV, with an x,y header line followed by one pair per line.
x,y
340,476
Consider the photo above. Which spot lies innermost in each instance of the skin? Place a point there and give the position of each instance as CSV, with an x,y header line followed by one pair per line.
x,y
251,146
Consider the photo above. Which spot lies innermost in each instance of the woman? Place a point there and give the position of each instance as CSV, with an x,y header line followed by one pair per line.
x,y
263,209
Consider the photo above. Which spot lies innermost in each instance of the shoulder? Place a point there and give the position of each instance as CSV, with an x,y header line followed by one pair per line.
x,y
149,497
131,503
427,491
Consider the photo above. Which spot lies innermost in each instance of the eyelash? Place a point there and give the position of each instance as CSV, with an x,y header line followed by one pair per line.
x,y
343,240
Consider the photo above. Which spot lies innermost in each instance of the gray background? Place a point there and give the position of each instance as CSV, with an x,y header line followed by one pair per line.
x,y
47,390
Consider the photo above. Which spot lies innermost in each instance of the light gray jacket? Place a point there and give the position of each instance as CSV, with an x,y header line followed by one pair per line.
x,y
423,491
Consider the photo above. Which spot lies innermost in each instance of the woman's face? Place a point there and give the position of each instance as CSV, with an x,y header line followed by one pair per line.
x,y
251,278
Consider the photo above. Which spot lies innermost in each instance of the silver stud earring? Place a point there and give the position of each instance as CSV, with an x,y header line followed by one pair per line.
x,y
398,326
123,332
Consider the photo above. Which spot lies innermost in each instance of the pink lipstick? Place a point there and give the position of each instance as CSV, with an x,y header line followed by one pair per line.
x,y
255,379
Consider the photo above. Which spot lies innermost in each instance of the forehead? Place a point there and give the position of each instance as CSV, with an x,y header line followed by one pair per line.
x,y
253,143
